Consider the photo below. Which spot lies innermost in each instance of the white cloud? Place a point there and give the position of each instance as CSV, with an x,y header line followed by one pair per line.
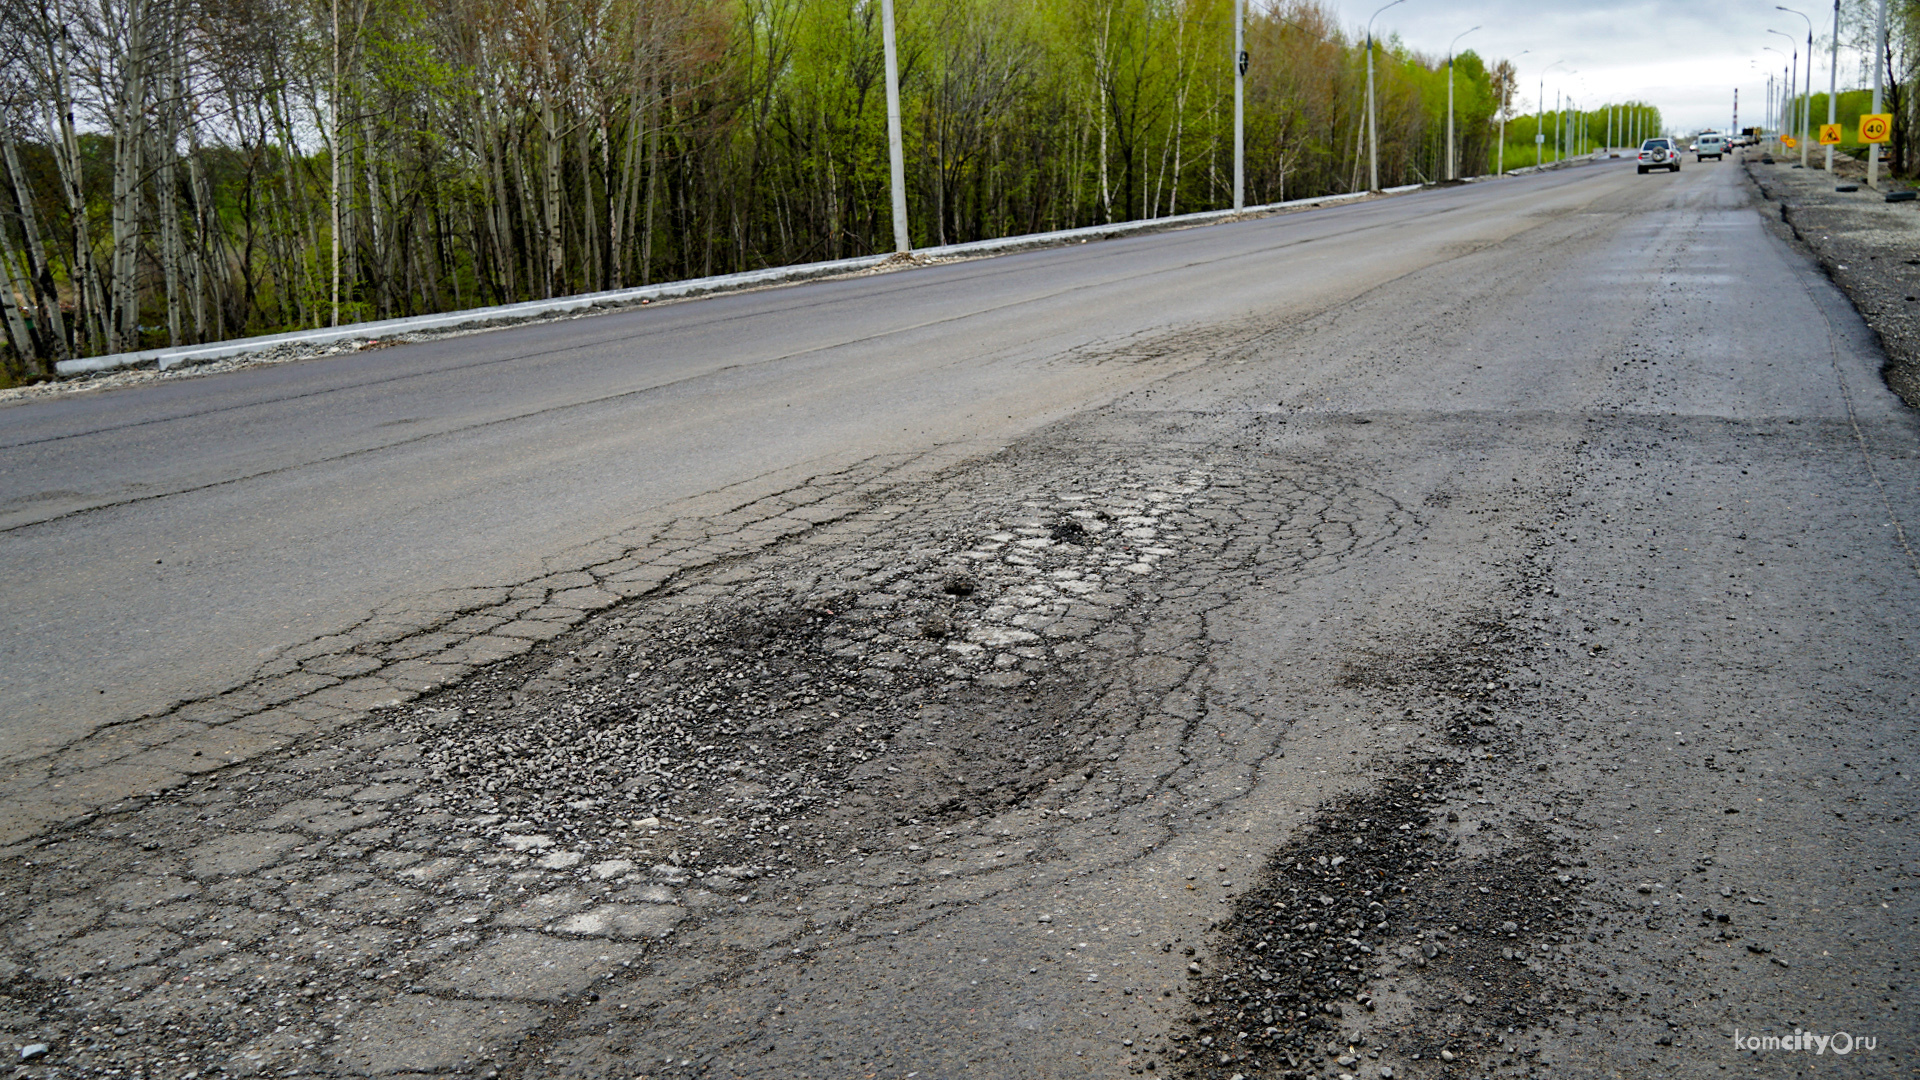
x,y
1685,56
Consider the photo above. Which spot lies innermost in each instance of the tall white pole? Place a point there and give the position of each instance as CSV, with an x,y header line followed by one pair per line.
x,y
1833,77
1373,127
1790,111
896,156
1239,105
333,118
1453,157
1373,135
1879,59
1805,117
1806,99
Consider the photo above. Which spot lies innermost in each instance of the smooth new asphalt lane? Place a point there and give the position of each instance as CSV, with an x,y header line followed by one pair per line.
x,y
161,542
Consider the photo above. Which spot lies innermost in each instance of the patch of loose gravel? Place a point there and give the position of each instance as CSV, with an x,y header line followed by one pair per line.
x,y
1371,941
886,714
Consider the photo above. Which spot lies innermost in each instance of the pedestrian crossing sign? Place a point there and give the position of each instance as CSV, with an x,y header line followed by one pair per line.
x,y
1876,127
1829,134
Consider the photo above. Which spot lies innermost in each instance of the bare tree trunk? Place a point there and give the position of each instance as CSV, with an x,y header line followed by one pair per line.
x,y
10,292
90,320
654,121
530,227
620,208
166,141
556,235
499,217
129,139
296,214
46,294
589,222
167,200
379,265
203,239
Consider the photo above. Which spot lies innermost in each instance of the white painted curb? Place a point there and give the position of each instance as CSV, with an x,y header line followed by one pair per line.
x,y
478,317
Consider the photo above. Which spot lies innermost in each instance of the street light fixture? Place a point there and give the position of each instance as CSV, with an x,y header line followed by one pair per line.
x,y
1833,78
1373,129
1776,99
1879,51
1562,102
896,157
1540,114
1239,105
1792,114
1806,106
1453,160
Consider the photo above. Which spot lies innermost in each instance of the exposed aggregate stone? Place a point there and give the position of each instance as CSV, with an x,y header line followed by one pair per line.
x,y
529,834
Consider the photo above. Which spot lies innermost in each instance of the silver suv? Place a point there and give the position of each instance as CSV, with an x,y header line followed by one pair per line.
x,y
1659,154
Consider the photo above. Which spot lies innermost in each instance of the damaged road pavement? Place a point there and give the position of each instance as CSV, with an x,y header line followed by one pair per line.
x,y
1394,692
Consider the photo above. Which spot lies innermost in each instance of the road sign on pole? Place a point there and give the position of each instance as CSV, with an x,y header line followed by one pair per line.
x,y
1876,127
1829,134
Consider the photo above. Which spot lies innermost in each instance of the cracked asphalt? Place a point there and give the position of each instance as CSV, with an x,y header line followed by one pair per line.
x,y
1480,643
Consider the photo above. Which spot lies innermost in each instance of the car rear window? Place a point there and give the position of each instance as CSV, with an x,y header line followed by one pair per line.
x,y
1654,144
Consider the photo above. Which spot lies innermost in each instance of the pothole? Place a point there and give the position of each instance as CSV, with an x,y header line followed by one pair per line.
x,y
1371,942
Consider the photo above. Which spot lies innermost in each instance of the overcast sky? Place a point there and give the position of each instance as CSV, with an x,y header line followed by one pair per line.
x,y
1684,56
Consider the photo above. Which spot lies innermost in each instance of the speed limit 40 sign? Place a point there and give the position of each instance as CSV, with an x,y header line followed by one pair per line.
x,y
1876,127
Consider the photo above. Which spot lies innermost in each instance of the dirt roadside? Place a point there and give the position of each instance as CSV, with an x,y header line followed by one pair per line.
x,y
1868,246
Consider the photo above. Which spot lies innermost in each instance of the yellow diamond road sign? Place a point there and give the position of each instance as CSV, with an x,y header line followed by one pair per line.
x,y
1876,127
1829,134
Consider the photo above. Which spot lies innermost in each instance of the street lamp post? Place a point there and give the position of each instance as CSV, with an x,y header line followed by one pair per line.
x,y
1373,129
1777,94
1833,78
1453,160
1791,118
1879,53
1563,130
1540,115
1239,105
896,157
1806,106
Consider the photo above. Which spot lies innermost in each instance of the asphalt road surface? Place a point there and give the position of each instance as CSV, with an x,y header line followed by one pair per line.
x,y
1459,634
163,542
